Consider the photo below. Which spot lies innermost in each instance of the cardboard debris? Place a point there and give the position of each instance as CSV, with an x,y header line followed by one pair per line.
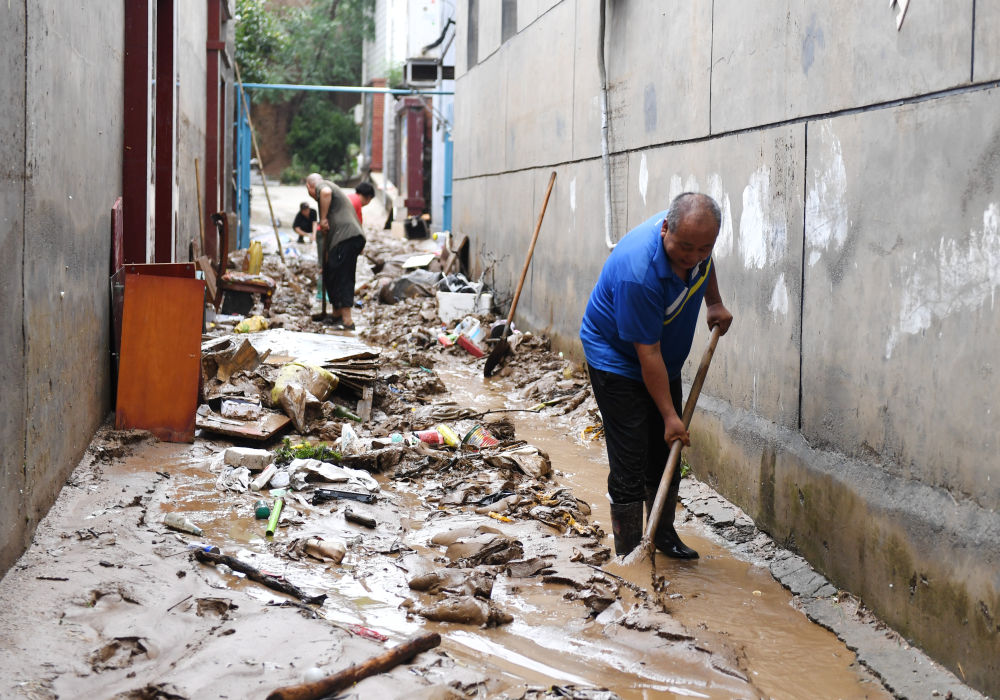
x,y
264,428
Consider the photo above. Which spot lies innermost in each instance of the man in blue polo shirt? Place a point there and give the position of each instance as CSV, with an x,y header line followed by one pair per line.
x,y
636,334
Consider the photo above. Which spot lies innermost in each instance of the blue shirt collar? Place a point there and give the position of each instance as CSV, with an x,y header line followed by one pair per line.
x,y
660,262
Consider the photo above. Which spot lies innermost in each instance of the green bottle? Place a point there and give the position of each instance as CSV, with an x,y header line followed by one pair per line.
x,y
261,510
342,412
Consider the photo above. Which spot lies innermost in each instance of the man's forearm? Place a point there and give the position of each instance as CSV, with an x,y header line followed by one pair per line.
x,y
325,197
656,379
712,295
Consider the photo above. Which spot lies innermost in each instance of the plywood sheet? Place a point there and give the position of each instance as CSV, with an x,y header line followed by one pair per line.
x,y
160,359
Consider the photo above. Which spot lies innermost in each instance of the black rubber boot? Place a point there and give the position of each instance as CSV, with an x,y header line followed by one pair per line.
x,y
626,526
666,538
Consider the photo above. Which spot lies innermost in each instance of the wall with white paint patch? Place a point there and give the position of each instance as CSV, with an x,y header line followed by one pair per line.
x,y
858,171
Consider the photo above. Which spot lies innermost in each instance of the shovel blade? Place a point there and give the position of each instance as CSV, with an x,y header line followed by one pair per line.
x,y
497,354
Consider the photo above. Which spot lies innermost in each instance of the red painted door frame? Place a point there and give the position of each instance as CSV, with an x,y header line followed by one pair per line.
x,y
214,44
135,126
163,214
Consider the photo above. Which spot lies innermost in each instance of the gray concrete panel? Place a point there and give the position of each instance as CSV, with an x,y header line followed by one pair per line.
x,y
570,250
757,180
586,85
489,28
504,235
13,424
924,562
527,12
987,42
539,89
190,59
659,65
467,217
777,60
463,131
901,279
461,37
481,118
74,141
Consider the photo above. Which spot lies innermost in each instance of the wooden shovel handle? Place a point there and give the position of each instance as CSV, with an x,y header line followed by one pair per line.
x,y
353,674
675,448
527,260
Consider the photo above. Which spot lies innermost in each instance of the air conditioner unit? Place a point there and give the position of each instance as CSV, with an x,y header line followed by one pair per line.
x,y
423,72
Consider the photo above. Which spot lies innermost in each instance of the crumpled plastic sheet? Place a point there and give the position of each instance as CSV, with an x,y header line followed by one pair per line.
x,y
303,470
233,479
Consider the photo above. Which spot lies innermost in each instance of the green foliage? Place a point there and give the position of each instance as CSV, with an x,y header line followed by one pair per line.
x,y
685,467
260,42
287,452
295,173
325,44
321,135
319,44
395,78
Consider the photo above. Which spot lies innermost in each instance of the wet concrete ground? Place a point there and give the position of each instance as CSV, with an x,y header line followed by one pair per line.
x,y
103,573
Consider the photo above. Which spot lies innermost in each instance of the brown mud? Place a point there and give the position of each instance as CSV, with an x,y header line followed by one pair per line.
x,y
109,603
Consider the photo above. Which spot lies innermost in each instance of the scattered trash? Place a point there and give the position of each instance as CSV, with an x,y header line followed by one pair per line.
x,y
176,521
332,550
251,325
242,409
449,436
263,478
272,523
358,518
261,510
479,438
325,495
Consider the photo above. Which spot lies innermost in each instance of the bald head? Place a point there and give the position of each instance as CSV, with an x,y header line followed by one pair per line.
x,y
312,180
693,205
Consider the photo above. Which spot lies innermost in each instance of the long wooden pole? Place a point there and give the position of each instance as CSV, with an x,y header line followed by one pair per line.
x,y
353,674
201,214
260,163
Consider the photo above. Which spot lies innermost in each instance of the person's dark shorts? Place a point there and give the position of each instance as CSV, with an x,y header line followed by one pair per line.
x,y
339,272
633,432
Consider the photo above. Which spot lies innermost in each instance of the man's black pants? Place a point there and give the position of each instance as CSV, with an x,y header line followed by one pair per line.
x,y
633,432
340,271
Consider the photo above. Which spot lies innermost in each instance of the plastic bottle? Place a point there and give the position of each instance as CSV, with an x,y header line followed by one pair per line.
x,y
349,442
176,521
264,477
449,436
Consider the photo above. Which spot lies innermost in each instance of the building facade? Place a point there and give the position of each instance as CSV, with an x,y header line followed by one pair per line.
x,y
105,105
854,150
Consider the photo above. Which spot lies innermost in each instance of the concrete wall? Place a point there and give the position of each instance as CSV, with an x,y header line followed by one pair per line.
x,y
190,63
61,99
12,177
73,175
851,410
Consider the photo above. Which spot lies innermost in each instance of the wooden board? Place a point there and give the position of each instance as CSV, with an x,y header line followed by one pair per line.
x,y
160,361
264,428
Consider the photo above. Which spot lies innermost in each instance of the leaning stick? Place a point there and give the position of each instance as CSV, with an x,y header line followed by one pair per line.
x,y
260,163
201,215
358,672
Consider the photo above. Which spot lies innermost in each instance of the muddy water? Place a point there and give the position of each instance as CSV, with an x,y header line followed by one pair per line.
x,y
727,600
550,641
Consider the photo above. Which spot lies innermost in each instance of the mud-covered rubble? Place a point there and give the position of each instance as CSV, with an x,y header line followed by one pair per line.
x,y
460,537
